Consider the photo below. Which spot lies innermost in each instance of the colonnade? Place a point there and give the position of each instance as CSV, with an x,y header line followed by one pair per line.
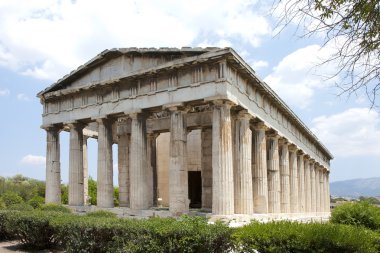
x,y
247,167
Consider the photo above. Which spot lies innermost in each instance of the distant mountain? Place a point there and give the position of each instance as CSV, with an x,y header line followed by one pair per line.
x,y
369,187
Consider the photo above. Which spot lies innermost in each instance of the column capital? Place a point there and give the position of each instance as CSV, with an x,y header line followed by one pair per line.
x,y
222,102
260,126
53,127
273,134
312,161
283,141
244,114
293,148
76,125
306,157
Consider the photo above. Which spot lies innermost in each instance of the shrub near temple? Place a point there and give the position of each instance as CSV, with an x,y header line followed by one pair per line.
x,y
300,237
360,213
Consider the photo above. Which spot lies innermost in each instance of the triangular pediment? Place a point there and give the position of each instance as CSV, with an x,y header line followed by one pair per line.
x,y
117,63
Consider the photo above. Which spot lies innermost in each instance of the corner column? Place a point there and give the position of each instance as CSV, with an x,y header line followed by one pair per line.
x,y
274,185
284,175
259,169
138,164
123,163
243,162
222,164
293,179
76,186
327,182
53,166
105,164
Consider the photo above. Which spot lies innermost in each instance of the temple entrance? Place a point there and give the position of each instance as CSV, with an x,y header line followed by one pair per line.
x,y
195,189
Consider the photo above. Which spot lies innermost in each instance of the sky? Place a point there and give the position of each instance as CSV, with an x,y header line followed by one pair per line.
x,y
42,40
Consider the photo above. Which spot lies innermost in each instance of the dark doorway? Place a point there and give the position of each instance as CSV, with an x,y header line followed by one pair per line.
x,y
195,189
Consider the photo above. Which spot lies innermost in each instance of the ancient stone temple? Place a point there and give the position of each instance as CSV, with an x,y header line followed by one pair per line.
x,y
194,128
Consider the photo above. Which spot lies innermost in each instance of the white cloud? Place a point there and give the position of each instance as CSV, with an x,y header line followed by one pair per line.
x,y
4,92
296,77
259,64
22,97
33,160
355,131
46,39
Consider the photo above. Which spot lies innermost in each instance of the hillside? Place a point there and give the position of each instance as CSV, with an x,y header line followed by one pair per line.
x,y
369,187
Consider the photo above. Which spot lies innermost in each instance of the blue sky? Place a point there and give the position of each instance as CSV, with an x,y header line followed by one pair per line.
x,y
42,40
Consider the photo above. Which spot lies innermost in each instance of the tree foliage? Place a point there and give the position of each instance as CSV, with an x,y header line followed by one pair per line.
x,y
353,26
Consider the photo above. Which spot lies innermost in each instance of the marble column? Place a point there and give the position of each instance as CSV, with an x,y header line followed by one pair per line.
x,y
206,160
243,164
123,165
293,179
327,191
76,189
313,187
259,169
85,172
53,166
317,189
321,190
222,164
105,164
307,185
138,164
178,175
152,168
284,175
301,183
274,185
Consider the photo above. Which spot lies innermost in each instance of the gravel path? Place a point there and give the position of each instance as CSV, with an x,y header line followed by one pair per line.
x,y
15,246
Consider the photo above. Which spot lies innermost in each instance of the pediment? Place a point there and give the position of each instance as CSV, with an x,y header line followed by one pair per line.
x,y
116,63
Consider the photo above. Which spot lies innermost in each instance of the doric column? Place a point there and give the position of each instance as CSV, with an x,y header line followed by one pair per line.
x,y
138,164
307,185
53,166
317,189
76,188
105,164
85,171
123,163
293,179
274,186
178,182
284,176
206,160
313,187
321,190
327,187
222,164
243,164
152,168
259,169
301,183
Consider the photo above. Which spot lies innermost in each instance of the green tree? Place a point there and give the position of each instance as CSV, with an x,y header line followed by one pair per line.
x,y
11,198
92,188
353,27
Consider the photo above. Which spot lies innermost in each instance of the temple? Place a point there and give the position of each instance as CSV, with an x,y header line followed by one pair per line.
x,y
194,128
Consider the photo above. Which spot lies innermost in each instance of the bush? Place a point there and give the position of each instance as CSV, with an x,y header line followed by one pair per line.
x,y
361,213
2,204
20,207
102,213
11,198
55,208
4,233
31,228
36,202
312,237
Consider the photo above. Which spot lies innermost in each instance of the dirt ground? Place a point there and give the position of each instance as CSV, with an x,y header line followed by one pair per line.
x,y
15,246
